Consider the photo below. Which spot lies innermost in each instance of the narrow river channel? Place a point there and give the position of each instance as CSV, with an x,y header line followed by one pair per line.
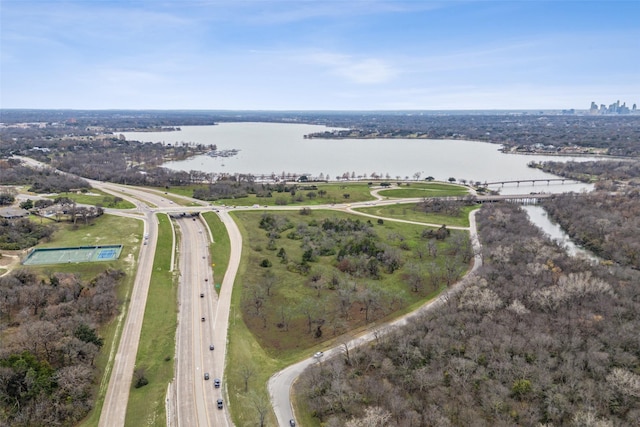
x,y
539,217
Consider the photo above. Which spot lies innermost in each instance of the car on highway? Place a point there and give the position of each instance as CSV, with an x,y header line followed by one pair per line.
x,y
210,346
206,375
202,319
219,402
216,383
201,295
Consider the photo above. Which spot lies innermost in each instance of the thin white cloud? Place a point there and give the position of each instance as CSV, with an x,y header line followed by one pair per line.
x,y
287,12
354,70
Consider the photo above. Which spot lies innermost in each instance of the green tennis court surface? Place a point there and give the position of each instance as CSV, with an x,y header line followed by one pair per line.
x,y
73,255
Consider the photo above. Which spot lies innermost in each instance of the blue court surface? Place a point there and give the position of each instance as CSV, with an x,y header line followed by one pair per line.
x,y
73,255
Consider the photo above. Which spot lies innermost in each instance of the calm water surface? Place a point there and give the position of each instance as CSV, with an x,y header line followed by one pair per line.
x,y
274,148
538,216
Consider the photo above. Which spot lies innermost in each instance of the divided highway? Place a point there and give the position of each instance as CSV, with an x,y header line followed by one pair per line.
x,y
204,316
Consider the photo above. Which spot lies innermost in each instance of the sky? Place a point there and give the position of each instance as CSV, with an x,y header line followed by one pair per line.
x,y
318,54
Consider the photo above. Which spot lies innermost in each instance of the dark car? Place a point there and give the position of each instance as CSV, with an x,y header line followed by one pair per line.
x,y
201,295
216,383
210,346
202,319
292,422
219,402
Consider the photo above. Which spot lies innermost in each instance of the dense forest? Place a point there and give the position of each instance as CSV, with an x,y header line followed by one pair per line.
x,y
49,344
536,338
605,223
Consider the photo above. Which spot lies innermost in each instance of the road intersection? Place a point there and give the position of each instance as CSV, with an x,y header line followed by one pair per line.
x,y
204,315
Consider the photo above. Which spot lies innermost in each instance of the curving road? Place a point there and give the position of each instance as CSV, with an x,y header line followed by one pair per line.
x,y
192,398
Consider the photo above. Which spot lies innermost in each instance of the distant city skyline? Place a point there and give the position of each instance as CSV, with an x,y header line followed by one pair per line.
x,y
319,55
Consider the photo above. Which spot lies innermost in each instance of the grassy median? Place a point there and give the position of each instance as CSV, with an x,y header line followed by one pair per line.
x,y
156,349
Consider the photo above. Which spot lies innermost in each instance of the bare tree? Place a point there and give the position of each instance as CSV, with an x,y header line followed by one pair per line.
x,y
246,372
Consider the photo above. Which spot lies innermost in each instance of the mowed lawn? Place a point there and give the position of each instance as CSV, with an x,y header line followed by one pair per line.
x,y
410,212
105,230
97,197
156,349
425,189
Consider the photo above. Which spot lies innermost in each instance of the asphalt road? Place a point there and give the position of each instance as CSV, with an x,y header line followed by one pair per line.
x,y
117,395
194,398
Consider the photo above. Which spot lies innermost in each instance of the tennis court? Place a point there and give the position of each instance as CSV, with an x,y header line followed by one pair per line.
x,y
73,255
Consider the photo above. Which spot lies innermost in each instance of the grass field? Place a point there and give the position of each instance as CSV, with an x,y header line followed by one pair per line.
x,y
107,229
146,406
425,189
220,248
97,197
267,350
408,212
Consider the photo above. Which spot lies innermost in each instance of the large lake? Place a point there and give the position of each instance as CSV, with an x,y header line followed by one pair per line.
x,y
274,148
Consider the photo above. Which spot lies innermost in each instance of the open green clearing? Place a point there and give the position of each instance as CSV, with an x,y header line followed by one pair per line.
x,y
296,282
97,197
156,349
409,212
220,248
279,334
422,189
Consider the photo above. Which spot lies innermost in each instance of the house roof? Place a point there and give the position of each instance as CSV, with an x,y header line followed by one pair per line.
x,y
13,212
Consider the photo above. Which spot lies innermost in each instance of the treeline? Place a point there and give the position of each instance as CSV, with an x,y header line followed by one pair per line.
x,y
603,172
619,135
606,223
443,206
22,233
536,338
45,180
122,120
49,345
241,186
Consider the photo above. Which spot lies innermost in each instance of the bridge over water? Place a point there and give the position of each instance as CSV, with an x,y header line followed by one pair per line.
x,y
532,181
514,198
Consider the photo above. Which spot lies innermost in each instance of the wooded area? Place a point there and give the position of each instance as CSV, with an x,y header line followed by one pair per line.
x,y
539,338
49,344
